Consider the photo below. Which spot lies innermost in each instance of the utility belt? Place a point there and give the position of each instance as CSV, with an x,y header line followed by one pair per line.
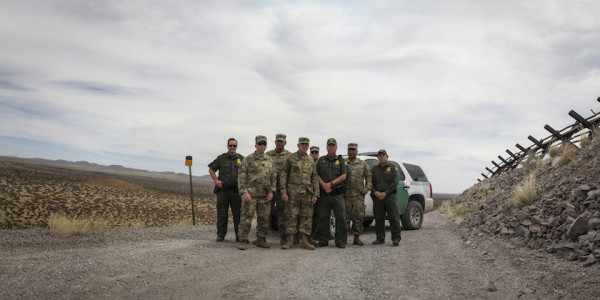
x,y
338,189
226,188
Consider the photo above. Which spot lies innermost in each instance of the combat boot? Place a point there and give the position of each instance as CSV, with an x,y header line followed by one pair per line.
x,y
288,244
282,240
296,239
311,241
305,244
262,242
357,240
242,245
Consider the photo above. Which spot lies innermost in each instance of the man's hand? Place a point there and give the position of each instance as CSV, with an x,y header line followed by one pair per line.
x,y
246,197
382,195
284,197
269,196
363,192
219,183
314,200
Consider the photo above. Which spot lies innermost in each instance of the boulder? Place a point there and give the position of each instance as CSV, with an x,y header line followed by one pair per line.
x,y
579,227
594,223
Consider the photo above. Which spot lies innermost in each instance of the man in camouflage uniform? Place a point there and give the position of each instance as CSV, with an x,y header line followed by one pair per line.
x,y
226,188
279,155
314,153
358,183
332,173
257,181
300,189
385,183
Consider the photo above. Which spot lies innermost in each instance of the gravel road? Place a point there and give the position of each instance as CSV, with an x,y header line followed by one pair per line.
x,y
436,262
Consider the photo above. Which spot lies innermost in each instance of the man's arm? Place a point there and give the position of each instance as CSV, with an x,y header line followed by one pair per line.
x,y
213,175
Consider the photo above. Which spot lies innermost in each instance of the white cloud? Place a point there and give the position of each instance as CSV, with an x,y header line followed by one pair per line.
x,y
445,85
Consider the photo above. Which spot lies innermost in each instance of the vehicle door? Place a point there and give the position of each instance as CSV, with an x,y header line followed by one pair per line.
x,y
401,192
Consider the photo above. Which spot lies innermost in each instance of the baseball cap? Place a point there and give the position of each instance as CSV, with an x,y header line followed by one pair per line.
x,y
331,141
280,137
353,146
303,140
382,151
261,138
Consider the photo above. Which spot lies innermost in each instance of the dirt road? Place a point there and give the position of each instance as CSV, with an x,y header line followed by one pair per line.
x,y
436,262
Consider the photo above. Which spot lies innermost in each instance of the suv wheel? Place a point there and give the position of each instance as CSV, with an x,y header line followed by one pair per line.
x,y
413,216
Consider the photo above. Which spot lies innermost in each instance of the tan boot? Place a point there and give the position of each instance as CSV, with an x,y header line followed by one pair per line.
x,y
305,244
242,245
282,241
262,242
311,241
357,240
288,244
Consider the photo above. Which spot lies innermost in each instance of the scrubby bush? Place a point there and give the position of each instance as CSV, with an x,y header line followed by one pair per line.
x,y
524,194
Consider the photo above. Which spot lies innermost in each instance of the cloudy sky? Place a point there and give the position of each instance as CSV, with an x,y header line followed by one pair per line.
x,y
448,85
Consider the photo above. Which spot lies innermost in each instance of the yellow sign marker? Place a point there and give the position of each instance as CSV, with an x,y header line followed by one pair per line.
x,y
188,161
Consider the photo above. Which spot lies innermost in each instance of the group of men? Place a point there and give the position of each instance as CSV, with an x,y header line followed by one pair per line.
x,y
303,189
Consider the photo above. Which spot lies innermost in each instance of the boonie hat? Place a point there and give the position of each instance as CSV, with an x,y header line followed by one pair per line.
x,y
303,140
280,137
331,141
352,146
382,151
261,138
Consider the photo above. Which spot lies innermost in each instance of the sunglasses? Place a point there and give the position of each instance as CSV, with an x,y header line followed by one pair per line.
x,y
232,146
314,152
262,143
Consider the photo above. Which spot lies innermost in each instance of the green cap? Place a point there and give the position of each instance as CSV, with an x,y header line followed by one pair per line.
x,y
280,137
314,148
303,140
353,146
331,141
261,138
382,151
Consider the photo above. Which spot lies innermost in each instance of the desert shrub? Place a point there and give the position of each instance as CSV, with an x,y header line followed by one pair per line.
x,y
524,194
568,151
453,212
532,162
585,141
63,226
555,151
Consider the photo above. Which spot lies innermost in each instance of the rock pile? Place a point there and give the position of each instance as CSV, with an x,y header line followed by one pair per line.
x,y
564,218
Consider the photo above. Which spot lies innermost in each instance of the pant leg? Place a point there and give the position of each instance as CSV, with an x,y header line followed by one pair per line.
x,y
379,214
358,214
339,211
306,213
247,214
324,215
222,213
292,209
263,210
392,210
348,200
280,209
315,220
235,201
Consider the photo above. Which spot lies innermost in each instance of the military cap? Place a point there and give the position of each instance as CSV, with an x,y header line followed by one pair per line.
x,y
314,148
353,146
260,138
331,141
280,137
382,151
303,140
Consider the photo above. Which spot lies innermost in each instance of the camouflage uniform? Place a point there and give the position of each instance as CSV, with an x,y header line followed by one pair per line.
x,y
257,177
279,160
299,180
358,179
315,219
228,196
385,179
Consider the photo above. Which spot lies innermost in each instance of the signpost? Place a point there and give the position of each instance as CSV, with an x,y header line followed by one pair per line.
x,y
188,162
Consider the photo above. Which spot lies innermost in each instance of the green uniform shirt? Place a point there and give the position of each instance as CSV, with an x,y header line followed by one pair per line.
x,y
227,165
385,178
257,175
330,168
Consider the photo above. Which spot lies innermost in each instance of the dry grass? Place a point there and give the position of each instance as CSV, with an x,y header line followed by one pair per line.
x,y
585,141
567,154
532,162
453,212
524,194
64,226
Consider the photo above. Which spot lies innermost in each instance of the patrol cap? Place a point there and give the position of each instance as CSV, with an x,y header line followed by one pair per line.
x,y
331,141
382,151
353,146
280,137
303,140
260,138
314,148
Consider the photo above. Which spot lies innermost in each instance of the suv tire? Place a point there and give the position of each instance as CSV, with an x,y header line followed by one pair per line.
x,y
413,216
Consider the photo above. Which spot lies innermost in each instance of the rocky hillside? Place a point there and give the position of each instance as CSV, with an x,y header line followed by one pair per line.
x,y
563,217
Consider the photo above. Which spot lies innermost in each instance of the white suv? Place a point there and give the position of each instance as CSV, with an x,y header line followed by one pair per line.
x,y
414,193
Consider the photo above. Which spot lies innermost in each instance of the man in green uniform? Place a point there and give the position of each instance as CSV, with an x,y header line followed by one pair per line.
x,y
332,173
299,189
358,183
385,182
226,188
257,181
279,155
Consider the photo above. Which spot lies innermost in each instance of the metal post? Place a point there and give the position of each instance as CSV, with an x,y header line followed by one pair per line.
x,y
188,162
